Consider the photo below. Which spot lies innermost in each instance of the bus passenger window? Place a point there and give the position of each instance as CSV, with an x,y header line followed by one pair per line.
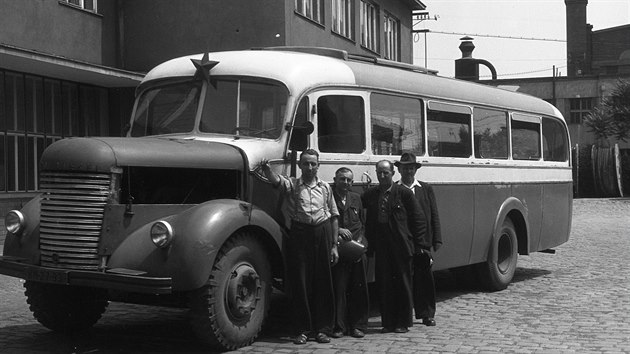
x,y
525,140
396,125
491,134
340,124
555,142
448,134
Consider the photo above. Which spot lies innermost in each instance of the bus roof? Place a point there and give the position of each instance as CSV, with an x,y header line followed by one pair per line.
x,y
304,68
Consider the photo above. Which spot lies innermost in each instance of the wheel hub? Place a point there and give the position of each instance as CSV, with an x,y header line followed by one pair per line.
x,y
243,291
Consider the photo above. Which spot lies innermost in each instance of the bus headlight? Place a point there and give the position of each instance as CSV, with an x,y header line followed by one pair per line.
x,y
162,234
15,222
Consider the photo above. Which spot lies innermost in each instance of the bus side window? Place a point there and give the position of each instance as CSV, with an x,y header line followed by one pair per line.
x,y
491,134
396,125
340,124
299,140
448,134
525,140
555,142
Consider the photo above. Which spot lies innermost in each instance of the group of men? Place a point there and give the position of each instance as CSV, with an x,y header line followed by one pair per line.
x,y
398,223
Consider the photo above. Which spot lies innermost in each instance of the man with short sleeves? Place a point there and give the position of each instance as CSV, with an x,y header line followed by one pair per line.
x,y
311,248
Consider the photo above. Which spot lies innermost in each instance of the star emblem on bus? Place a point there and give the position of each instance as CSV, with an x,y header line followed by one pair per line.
x,y
204,66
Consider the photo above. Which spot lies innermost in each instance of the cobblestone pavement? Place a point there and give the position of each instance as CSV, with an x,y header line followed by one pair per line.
x,y
576,301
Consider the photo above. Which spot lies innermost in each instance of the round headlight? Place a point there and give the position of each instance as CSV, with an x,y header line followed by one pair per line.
x,y
161,234
15,222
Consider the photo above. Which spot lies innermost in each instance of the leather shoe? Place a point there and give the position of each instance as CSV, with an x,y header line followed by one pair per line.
x,y
322,338
337,334
386,330
401,330
357,333
300,339
428,321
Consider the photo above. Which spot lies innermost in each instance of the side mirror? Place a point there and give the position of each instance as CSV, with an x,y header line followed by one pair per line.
x,y
306,128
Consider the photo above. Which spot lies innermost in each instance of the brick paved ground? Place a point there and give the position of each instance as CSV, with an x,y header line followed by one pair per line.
x,y
577,300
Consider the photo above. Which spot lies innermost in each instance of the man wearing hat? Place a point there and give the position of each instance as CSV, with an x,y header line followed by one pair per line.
x,y
423,283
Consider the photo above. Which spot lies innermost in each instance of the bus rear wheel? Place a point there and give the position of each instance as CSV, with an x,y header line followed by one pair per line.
x,y
228,312
64,308
497,272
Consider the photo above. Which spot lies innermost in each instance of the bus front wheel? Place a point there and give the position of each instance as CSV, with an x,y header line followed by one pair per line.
x,y
497,272
228,312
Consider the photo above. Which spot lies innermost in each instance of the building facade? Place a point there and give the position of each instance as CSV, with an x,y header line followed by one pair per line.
x,y
68,68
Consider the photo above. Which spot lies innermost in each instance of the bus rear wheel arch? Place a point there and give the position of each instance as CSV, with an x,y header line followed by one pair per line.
x,y
498,270
229,310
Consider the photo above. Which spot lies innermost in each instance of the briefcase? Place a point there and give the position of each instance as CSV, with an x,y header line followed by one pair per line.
x,y
350,251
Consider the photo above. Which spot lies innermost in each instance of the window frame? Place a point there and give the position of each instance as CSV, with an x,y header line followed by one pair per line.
x,y
312,10
576,115
342,22
391,32
369,25
82,4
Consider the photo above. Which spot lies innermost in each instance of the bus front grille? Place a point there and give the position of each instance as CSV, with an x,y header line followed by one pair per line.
x,y
72,208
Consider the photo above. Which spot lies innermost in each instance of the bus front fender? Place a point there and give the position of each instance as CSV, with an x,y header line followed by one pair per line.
x,y
198,234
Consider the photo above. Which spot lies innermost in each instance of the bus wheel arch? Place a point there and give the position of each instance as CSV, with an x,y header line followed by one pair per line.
x,y
229,310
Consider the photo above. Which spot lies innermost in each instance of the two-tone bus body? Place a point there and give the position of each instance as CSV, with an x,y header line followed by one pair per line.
x,y
178,209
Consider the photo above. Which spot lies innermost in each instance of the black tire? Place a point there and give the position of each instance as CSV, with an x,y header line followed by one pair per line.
x,y
497,272
63,308
228,312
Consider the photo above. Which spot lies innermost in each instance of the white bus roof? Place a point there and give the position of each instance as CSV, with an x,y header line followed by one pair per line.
x,y
301,71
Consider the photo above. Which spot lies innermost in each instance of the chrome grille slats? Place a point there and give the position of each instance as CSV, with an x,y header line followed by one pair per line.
x,y
72,209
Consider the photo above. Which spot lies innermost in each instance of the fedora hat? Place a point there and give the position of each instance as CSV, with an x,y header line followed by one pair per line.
x,y
408,158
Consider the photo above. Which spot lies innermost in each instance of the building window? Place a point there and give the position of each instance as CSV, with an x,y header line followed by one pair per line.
x,y
311,9
369,26
34,113
392,37
88,5
342,18
579,108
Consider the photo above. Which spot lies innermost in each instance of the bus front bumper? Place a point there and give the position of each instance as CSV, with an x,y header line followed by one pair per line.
x,y
115,279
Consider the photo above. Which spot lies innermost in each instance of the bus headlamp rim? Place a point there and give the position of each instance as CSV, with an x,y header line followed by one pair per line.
x,y
161,234
15,222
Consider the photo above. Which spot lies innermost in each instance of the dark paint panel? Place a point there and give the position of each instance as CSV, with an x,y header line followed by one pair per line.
x,y
556,199
455,205
488,201
531,196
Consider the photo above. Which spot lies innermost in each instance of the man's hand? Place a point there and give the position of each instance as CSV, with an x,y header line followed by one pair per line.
x,y
334,256
345,234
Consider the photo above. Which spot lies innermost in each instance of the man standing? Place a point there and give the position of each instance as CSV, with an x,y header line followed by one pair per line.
x,y
349,276
394,223
423,283
311,247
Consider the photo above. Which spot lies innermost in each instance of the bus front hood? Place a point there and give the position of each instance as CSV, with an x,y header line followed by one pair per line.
x,y
105,154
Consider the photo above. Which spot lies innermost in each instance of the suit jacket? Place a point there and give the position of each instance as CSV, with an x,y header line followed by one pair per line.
x,y
405,218
352,215
426,199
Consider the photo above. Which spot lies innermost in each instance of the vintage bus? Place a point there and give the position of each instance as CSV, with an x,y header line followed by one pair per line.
x,y
178,213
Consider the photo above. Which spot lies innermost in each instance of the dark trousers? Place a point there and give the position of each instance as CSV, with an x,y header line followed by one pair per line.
x,y
423,286
309,276
393,278
351,295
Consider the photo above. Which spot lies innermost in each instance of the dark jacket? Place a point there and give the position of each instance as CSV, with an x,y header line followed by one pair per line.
x,y
406,220
352,215
426,199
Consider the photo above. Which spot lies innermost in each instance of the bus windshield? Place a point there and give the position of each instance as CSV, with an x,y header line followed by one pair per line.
x,y
234,107
167,109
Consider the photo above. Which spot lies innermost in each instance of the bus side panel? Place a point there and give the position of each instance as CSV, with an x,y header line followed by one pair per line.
x,y
531,195
455,203
488,201
556,220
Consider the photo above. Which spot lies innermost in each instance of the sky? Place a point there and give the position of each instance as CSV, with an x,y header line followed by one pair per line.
x,y
542,20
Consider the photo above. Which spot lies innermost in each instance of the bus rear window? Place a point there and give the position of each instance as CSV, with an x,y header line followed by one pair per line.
x,y
555,142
